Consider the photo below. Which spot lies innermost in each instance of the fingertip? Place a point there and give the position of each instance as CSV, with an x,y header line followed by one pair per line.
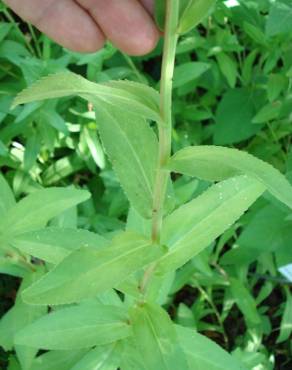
x,y
143,43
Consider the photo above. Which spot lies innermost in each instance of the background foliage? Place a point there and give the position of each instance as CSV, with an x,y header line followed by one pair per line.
x,y
232,87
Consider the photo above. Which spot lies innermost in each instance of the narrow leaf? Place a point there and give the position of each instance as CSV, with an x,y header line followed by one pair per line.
x,y
76,327
87,272
53,244
133,149
68,84
215,163
195,225
38,208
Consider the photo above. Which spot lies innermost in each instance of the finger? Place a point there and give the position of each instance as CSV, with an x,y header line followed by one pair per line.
x,y
149,5
62,20
125,23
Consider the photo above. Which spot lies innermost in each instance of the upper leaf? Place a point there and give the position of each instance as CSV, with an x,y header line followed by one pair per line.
x,y
133,97
76,327
133,149
214,163
34,211
86,272
195,225
194,13
156,339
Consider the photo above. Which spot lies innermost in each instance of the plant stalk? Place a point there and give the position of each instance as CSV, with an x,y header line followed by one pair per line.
x,y
165,127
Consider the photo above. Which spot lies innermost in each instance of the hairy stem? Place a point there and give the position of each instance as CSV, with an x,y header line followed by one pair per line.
x,y
165,127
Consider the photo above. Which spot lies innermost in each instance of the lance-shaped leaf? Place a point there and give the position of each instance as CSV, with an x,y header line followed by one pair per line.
x,y
53,244
101,358
195,225
133,149
35,210
156,339
76,327
194,13
134,98
215,163
87,272
202,353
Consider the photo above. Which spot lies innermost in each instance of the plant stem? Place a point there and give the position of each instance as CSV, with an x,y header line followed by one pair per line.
x,y
165,127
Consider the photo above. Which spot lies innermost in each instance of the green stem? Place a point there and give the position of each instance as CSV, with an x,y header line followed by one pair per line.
x,y
165,127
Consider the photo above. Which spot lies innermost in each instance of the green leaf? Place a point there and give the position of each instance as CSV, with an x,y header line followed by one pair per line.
x,y
87,272
159,13
245,302
228,67
234,117
19,315
68,84
188,72
268,113
101,358
156,339
195,225
54,360
214,163
286,323
6,197
76,327
202,353
53,244
194,14
34,211
279,20
266,232
133,149
17,318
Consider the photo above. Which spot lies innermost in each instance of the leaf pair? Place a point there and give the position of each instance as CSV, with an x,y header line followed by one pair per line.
x,y
122,108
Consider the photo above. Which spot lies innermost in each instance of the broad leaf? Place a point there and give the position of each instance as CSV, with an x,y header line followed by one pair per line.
x,y
187,72
194,13
34,211
53,244
117,94
234,117
133,149
195,225
101,358
76,327
279,20
156,339
202,353
214,163
87,272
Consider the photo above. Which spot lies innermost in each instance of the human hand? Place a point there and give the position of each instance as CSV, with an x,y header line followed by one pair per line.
x,y
84,25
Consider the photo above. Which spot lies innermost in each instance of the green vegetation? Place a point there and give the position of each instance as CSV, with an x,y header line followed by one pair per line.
x,y
142,230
